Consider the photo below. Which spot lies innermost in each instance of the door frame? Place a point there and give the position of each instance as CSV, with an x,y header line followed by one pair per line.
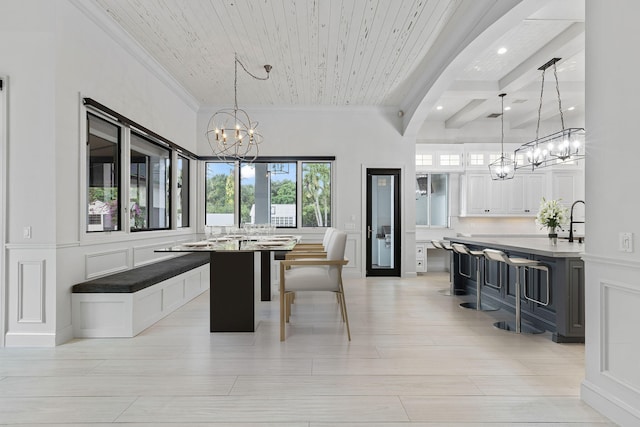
x,y
399,219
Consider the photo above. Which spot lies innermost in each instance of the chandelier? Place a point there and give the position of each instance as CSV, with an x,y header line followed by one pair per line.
x,y
563,146
504,167
230,132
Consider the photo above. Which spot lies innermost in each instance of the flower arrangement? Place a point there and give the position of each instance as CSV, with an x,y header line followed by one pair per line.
x,y
551,215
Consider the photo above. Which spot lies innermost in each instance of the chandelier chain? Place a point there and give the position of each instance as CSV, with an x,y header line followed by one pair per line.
x,y
540,106
555,74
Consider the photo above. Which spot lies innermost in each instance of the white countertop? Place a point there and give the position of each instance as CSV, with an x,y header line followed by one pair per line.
x,y
533,245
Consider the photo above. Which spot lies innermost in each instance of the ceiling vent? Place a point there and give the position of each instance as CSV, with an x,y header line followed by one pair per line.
x,y
494,115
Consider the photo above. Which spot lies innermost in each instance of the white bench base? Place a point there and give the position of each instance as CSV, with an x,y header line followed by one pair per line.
x,y
124,315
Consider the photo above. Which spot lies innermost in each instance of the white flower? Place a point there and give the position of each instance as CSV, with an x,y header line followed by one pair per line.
x,y
551,214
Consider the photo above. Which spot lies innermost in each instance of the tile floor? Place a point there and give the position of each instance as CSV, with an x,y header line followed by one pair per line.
x,y
416,359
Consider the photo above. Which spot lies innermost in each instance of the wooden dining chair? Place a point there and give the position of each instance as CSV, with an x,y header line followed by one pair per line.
x,y
315,247
319,274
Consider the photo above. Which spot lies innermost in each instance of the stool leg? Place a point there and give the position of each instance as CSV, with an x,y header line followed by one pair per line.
x,y
518,327
518,314
478,304
452,290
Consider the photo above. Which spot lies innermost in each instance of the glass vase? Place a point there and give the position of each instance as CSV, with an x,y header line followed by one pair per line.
x,y
553,236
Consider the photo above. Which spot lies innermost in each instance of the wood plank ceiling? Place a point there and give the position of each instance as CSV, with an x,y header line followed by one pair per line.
x,y
323,52
360,53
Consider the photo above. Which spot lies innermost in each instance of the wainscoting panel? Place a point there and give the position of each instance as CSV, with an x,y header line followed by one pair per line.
x,y
620,320
351,252
146,254
31,291
100,263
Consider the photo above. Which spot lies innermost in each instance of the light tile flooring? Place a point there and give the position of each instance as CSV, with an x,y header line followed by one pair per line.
x,y
416,359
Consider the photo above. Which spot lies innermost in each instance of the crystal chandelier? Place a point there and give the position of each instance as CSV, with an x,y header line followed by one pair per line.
x,y
563,146
504,167
230,132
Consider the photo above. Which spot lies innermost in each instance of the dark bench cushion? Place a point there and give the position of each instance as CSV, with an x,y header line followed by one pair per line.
x,y
139,278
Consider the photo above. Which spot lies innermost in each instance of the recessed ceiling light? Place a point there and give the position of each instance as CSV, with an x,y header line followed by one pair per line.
x,y
439,107
502,51
571,108
507,108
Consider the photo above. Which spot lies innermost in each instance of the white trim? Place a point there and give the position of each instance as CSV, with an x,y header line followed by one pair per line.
x,y
608,404
599,259
3,204
113,30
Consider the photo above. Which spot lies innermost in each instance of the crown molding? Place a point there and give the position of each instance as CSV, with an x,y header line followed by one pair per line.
x,y
113,30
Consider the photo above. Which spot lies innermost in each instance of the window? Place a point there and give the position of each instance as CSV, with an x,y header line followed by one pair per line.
x,y
449,160
432,199
149,185
182,214
316,194
103,170
424,160
268,194
476,159
220,194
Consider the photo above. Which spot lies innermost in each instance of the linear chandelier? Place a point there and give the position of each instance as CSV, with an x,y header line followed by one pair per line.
x,y
563,146
504,167
230,132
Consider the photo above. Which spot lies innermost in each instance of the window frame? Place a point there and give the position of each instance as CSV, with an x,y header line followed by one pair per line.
x,y
429,221
274,160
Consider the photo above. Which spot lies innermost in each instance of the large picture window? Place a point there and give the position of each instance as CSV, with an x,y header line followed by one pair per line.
x,y
286,194
316,194
103,170
268,194
149,185
182,218
220,194
432,199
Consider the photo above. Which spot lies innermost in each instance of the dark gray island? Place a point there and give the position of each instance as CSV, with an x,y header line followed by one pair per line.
x,y
564,314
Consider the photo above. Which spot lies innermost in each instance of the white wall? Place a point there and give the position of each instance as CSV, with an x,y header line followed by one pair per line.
x,y
52,54
358,138
612,383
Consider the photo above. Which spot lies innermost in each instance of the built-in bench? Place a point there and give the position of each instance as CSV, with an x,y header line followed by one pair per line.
x,y
125,303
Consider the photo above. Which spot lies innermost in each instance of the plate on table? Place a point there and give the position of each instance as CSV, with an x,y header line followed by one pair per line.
x,y
202,244
271,243
282,238
220,239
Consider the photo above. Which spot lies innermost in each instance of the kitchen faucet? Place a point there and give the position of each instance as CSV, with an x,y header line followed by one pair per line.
x,y
572,221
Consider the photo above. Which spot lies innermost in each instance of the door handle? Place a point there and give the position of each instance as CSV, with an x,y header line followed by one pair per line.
x,y
369,231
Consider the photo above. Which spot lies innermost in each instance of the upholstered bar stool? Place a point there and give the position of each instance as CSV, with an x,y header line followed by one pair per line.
x,y
461,249
517,327
452,290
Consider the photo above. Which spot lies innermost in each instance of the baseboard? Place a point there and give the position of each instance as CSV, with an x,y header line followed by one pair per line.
x,y
16,339
608,405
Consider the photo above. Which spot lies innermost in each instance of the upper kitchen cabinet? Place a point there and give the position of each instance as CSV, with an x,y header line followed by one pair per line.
x,y
520,196
525,193
567,186
482,196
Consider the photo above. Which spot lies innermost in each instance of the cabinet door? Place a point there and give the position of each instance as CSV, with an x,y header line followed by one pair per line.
x,y
495,196
535,190
516,199
476,194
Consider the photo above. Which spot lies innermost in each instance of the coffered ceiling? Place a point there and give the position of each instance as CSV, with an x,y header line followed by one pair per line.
x,y
359,52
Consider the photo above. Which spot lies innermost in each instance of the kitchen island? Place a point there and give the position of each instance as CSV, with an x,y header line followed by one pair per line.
x,y
564,314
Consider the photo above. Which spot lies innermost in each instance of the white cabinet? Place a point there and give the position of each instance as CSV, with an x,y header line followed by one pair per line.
x,y
520,196
524,194
421,257
482,195
567,186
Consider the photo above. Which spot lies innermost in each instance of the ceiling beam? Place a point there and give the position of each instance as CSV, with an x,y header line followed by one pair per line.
x,y
564,45
469,112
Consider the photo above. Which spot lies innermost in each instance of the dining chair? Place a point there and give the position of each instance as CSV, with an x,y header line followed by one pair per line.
x,y
315,247
319,274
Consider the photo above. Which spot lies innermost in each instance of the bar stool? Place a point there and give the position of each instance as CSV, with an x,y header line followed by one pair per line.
x,y
518,327
461,249
452,290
